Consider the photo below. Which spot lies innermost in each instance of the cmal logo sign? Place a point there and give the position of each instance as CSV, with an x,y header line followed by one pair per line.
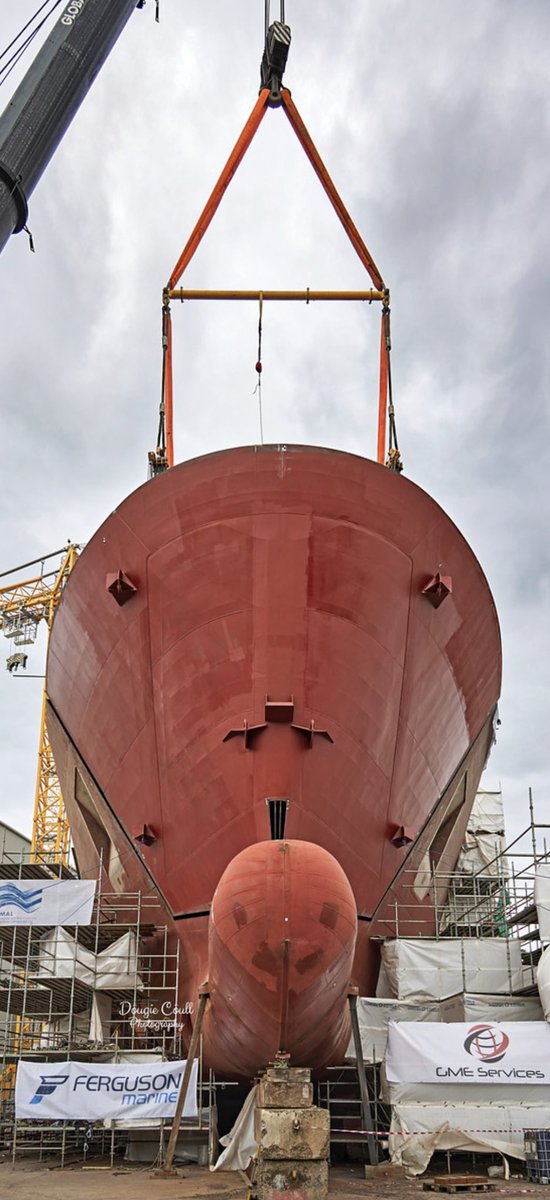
x,y
14,897
486,1043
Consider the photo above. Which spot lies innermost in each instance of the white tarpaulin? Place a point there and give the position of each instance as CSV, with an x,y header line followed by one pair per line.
x,y
467,1092
487,815
480,854
417,1130
54,1034
373,1017
478,1006
240,1143
93,1025
484,837
100,1019
70,1091
430,969
485,1053
46,902
115,967
542,900
543,981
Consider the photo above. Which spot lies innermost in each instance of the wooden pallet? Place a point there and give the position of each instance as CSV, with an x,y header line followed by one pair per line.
x,y
459,1183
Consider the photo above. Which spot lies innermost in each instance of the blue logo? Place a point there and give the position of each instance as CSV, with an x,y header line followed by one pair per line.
x,y
11,894
48,1084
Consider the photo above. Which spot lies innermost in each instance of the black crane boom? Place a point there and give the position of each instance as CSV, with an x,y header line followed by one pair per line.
x,y
48,97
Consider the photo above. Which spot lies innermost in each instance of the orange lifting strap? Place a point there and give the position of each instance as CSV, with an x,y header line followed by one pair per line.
x,y
379,291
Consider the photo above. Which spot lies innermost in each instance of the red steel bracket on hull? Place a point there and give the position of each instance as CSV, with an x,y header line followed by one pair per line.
x,y
309,732
279,710
248,732
402,836
120,587
437,589
146,836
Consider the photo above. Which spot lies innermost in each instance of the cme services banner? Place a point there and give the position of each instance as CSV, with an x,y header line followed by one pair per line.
x,y
69,1091
46,902
483,1052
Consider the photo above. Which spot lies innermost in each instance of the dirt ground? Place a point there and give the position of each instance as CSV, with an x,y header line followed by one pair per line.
x,y
30,1181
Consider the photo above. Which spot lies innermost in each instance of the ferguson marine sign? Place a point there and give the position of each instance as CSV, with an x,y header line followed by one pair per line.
x,y
487,1052
65,1091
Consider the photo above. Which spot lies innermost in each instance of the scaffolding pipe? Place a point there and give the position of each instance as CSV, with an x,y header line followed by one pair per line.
x,y
363,1088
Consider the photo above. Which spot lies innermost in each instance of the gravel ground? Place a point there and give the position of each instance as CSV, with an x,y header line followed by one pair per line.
x,y
30,1181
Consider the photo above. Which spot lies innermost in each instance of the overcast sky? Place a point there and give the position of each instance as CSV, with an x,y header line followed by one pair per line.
x,y
434,119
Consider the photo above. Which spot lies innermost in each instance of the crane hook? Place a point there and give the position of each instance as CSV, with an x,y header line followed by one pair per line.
x,y
276,47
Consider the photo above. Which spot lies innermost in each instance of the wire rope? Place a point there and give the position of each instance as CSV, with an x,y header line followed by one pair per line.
x,y
11,63
258,387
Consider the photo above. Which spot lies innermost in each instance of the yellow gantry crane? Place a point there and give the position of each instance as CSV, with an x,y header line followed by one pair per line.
x,y
23,605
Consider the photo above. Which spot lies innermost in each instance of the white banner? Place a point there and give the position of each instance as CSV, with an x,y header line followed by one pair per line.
x,y
46,901
70,1091
485,1052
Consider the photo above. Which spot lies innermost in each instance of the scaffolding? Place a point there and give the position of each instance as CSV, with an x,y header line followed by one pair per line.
x,y
77,992
489,903
497,902
92,993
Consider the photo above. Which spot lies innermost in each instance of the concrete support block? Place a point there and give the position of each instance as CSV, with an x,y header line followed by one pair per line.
x,y
291,1180
291,1088
280,1094
292,1133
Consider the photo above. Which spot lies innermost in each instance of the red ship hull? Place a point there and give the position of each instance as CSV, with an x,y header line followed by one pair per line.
x,y
279,646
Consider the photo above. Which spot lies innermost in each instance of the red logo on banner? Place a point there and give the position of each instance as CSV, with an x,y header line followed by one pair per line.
x,y
487,1042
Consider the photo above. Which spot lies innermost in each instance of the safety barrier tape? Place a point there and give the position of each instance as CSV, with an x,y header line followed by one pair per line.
x,y
430,1132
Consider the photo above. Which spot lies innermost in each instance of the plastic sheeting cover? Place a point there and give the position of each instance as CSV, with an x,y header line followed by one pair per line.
x,y
481,1006
437,1094
373,1016
430,969
240,1143
91,1026
487,815
484,840
417,1130
480,853
542,900
61,957
543,982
